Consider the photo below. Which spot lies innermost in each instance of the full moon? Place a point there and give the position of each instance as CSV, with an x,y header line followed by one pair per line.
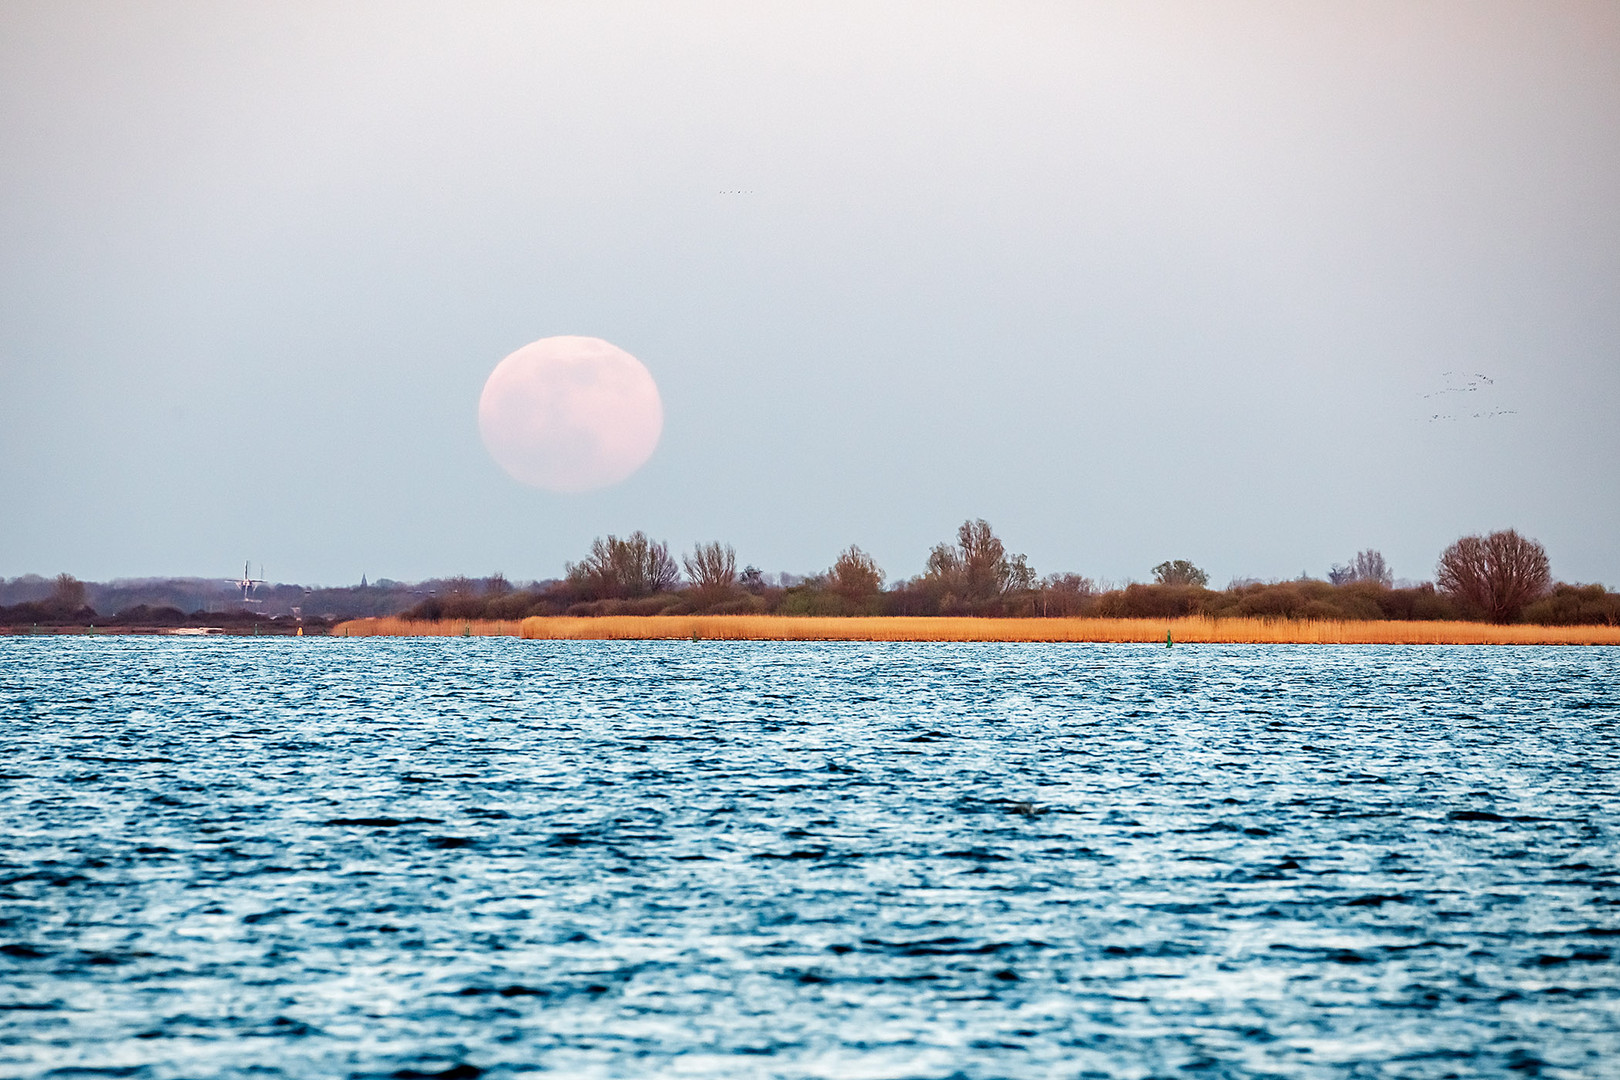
x,y
570,414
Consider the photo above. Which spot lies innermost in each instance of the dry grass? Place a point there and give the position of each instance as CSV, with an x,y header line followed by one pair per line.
x,y
1191,630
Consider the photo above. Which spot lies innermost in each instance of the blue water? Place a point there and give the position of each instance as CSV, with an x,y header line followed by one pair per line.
x,y
330,858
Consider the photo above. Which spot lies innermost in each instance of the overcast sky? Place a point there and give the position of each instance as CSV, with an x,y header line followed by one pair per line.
x,y
1133,281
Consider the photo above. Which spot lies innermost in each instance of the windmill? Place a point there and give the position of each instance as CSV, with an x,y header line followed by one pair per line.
x,y
247,583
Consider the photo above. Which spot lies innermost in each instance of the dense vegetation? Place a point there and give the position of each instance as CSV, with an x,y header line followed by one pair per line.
x,y
1500,578
1503,577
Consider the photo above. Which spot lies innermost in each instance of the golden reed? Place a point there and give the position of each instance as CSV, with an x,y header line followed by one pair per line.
x,y
1190,630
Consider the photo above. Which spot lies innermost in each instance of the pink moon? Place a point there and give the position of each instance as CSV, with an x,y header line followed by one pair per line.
x,y
570,414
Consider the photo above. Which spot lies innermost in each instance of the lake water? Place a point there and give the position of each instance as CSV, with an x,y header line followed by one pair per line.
x,y
375,858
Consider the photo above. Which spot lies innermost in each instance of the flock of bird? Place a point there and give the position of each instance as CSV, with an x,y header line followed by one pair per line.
x,y
1465,383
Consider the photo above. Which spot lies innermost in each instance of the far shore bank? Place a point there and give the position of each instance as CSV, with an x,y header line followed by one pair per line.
x,y
1185,630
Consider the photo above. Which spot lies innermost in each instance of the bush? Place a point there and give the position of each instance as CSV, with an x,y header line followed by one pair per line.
x,y
142,615
1153,602
1066,596
1575,605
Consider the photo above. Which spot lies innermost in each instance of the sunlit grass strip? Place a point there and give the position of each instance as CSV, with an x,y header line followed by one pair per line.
x,y
393,627
1190,630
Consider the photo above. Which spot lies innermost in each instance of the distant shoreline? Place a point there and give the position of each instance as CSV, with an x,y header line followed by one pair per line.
x,y
267,629
1183,630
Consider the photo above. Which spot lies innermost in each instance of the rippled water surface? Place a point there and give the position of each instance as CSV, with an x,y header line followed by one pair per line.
x,y
302,857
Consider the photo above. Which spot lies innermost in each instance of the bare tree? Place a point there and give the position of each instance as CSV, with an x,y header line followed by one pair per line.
x,y
67,593
458,586
1368,565
628,568
943,565
1497,574
712,569
1179,572
978,568
984,560
855,576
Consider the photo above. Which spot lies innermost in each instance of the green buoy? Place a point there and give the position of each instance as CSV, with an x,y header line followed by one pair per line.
x,y
1167,641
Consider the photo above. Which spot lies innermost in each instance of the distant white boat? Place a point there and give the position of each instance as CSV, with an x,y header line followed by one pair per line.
x,y
195,631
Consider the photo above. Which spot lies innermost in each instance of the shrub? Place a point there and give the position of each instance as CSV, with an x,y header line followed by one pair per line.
x,y
1066,596
1575,605
142,615
1138,601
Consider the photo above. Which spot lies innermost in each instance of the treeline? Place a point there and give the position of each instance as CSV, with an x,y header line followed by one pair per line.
x,y
162,602
1501,578
64,606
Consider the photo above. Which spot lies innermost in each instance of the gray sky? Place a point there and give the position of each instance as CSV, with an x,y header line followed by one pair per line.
x,y
1132,281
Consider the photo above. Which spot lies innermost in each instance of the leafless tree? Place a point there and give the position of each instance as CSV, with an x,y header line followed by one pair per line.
x,y
1367,565
712,569
628,568
458,586
1497,574
855,575
984,559
978,568
1179,572
67,593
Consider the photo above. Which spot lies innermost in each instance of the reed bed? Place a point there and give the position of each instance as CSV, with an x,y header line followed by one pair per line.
x,y
1194,629
1190,630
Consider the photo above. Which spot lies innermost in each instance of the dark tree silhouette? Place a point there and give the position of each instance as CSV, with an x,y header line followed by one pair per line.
x,y
1066,594
978,568
624,569
712,570
1179,572
67,593
855,576
1369,565
1497,575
